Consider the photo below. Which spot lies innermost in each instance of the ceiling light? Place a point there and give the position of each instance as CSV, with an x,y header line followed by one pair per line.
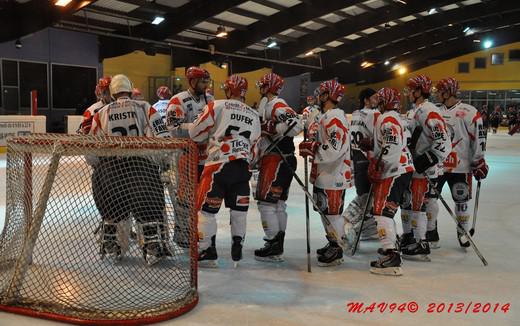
x,y
401,1
476,41
469,32
223,65
396,66
366,64
62,3
157,20
432,11
402,70
309,53
221,31
271,43
487,44
450,24
466,29
387,62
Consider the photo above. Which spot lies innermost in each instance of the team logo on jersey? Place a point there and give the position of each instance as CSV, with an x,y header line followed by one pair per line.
x,y
460,191
242,201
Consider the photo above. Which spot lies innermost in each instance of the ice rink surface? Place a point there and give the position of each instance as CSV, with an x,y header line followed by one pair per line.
x,y
258,293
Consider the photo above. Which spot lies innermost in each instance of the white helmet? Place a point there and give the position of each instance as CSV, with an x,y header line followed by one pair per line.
x,y
119,84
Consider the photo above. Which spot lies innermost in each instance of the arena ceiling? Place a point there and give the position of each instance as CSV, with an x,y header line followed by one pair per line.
x,y
326,38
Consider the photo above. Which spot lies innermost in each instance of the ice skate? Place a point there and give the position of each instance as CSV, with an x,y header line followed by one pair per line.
x,y
236,250
272,250
463,240
417,251
389,264
208,258
332,256
433,238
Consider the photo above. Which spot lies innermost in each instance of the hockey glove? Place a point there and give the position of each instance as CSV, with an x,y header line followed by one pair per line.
x,y
375,171
268,128
308,148
424,162
366,144
480,169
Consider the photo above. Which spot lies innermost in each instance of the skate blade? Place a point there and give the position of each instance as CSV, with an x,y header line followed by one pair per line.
x,y
270,259
333,263
425,258
388,271
434,245
208,264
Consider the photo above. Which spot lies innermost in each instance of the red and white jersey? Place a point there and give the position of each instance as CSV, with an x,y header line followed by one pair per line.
x,y
468,137
331,164
434,138
278,111
231,129
161,106
389,137
127,117
362,126
88,116
310,114
183,108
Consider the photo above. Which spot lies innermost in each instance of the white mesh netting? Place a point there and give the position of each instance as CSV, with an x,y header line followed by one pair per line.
x,y
99,229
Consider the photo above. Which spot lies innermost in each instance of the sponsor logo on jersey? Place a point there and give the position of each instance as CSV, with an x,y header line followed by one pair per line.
x,y
213,202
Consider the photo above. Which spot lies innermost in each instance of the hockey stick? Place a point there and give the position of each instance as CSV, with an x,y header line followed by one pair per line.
x,y
475,210
459,227
307,227
369,198
309,196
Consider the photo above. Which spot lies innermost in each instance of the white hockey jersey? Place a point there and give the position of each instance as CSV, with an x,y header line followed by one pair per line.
x,y
278,111
362,126
434,136
310,114
184,108
161,106
468,137
231,129
88,116
389,137
127,117
331,164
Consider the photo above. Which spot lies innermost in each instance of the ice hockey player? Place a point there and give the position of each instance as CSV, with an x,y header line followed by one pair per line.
x,y
131,184
430,144
185,106
232,129
275,176
310,111
361,139
466,159
182,110
164,94
331,175
103,98
390,172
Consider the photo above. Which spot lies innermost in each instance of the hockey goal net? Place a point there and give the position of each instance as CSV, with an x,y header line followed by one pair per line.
x,y
99,230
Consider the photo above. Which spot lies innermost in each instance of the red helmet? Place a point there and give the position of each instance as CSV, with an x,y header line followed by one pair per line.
x,y
103,85
390,98
335,89
237,85
272,81
420,81
448,85
164,93
197,73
